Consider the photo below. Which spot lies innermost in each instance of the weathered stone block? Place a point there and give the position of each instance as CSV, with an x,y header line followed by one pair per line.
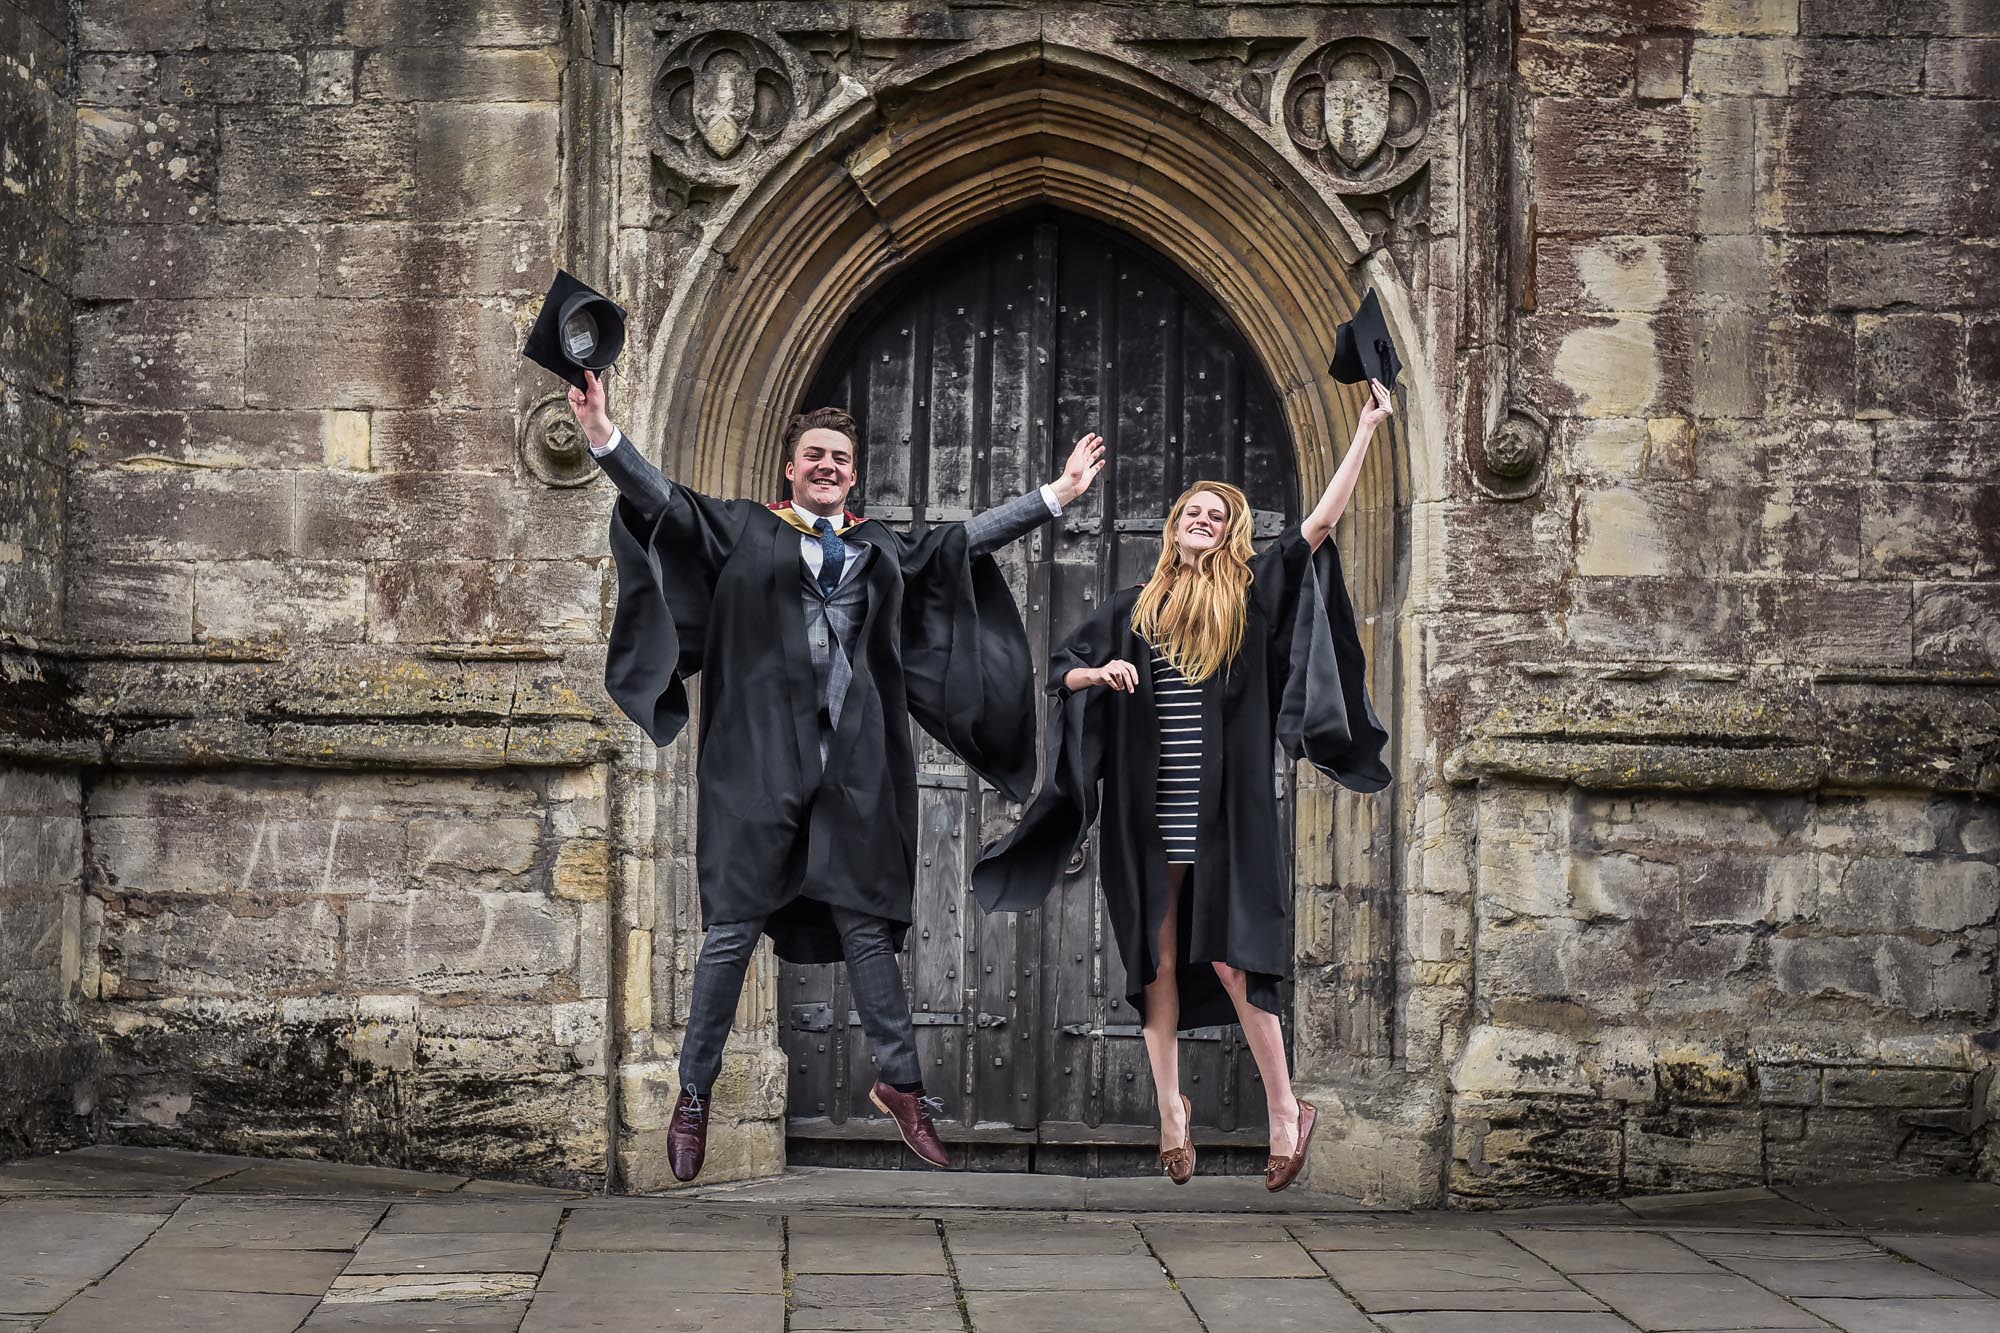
x,y
544,601
145,164
330,76
378,23
1612,365
1682,1148
1962,69
459,74
246,948
401,261
161,354
1819,183
239,78
432,602
1930,529
1728,889
323,164
1572,66
1935,450
1519,1061
1929,272
1788,1085
471,440
259,600
1910,365
174,262
1675,619
1949,1088
1604,167
1615,273
1810,367
1908,823
117,600
1534,1147
486,161
355,354
442,942
188,515
142,25
1662,69
487,848
1901,893
1957,626
123,79
205,439
1844,1146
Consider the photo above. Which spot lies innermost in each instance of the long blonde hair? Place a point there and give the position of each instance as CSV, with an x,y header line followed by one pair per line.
x,y
1194,613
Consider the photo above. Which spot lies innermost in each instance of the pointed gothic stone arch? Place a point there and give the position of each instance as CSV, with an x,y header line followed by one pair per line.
x,y
886,181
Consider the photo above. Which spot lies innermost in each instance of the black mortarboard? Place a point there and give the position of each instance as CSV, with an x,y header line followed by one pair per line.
x,y
578,330
1362,349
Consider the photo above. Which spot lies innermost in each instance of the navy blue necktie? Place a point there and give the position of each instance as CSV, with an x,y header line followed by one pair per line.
x,y
833,553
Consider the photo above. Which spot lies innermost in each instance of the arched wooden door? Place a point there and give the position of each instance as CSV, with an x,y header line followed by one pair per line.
x,y
971,376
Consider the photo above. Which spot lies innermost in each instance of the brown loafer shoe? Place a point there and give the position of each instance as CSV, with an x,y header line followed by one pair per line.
x,y
1179,1162
912,1112
687,1135
1282,1171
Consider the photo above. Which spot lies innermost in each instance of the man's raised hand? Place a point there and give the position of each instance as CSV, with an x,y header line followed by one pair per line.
x,y
591,410
1085,462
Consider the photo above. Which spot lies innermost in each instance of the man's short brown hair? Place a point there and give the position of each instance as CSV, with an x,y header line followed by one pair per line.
x,y
822,418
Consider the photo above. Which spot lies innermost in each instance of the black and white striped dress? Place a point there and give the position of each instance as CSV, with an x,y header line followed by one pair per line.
x,y
1177,806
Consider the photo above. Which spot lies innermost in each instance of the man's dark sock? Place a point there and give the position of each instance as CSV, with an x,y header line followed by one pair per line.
x,y
909,1089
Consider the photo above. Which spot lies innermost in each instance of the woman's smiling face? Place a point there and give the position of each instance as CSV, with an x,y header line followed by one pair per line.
x,y
1204,523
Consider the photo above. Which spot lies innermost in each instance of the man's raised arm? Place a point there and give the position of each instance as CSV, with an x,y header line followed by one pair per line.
x,y
635,476
991,529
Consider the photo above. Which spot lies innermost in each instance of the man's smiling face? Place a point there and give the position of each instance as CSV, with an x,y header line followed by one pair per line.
x,y
821,471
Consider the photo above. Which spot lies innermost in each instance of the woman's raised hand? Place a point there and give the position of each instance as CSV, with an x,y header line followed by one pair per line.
x,y
1381,406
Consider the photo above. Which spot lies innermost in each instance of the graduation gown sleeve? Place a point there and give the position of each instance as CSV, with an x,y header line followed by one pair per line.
x,y
1315,656
667,571
1017,873
966,671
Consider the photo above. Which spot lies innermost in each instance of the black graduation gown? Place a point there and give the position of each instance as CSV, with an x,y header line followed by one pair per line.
x,y
712,588
1300,681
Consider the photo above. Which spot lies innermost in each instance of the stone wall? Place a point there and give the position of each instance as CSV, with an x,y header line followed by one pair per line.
x,y
405,967
45,1077
1728,884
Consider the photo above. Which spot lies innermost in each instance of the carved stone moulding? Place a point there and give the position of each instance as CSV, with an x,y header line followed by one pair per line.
x,y
1361,109
1509,466
552,444
718,92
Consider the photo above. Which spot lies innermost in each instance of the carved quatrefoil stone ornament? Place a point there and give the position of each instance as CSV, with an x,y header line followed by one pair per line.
x,y
1360,108
718,92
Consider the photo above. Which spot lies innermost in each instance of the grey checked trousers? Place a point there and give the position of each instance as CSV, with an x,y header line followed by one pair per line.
x,y
873,978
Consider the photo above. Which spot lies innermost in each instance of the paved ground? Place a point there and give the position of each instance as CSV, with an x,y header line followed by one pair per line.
x,y
114,1240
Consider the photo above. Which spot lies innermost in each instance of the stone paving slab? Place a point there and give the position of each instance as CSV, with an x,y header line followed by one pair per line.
x,y
456,1316
844,1244
1908,1316
1187,1253
1873,1278
1973,1260
1712,1302
138,1205
270,1272
53,1241
1729,1245
1161,1311
108,1167
132,1309
330,1178
1344,1236
1430,1271
1726,1208
37,1293
672,1312
1966,1207
839,1301
663,1272
1609,1251
650,1226
460,1214
1453,1321
1052,1272
406,1288
1042,1236
452,1252
1273,1305
274,1224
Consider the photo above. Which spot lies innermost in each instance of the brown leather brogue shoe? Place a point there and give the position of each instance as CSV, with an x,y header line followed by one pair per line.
x,y
912,1112
687,1135
1282,1171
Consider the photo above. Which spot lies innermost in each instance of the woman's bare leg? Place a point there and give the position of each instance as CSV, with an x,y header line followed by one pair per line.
x,y
1163,1021
1267,1046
